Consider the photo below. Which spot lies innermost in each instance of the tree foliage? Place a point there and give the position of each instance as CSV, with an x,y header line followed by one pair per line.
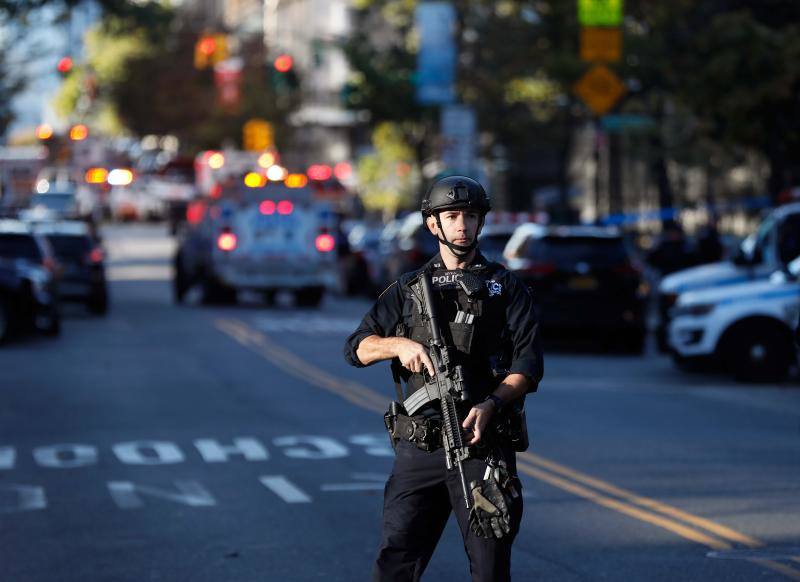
x,y
718,76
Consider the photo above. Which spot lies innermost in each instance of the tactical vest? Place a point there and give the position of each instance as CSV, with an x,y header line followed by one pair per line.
x,y
475,327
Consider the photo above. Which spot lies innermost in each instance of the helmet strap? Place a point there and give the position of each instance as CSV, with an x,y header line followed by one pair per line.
x,y
460,251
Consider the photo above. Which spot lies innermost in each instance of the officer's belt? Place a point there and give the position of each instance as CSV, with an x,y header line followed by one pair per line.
x,y
425,432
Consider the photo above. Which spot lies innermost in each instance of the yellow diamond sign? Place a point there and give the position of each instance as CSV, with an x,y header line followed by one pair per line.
x,y
257,135
600,89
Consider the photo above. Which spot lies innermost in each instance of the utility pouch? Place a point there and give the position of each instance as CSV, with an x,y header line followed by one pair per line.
x,y
512,427
424,432
390,421
518,430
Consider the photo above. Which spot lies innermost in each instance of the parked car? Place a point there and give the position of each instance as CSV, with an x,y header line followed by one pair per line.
x,y
52,205
493,240
413,246
82,260
584,281
769,249
264,239
28,285
746,328
364,241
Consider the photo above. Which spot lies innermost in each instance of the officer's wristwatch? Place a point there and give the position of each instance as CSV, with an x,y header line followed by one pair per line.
x,y
498,402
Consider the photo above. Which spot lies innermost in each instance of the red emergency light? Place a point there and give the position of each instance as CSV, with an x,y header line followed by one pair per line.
x,y
325,243
319,172
267,207
285,207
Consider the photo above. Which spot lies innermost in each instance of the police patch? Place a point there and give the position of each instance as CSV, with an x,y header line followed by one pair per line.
x,y
494,287
444,279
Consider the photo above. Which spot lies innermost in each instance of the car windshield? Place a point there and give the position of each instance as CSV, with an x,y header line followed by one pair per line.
x,y
19,246
69,245
426,242
492,245
568,251
789,238
53,201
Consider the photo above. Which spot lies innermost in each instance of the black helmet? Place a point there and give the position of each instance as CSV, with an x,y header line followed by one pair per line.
x,y
455,192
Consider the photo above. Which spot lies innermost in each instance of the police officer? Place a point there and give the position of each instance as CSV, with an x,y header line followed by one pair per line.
x,y
492,326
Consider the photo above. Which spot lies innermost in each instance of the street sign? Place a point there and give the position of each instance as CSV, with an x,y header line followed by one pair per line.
x,y
627,122
600,89
258,135
459,129
601,44
600,12
437,55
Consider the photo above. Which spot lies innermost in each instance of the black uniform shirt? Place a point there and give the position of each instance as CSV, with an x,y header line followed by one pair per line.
x,y
520,318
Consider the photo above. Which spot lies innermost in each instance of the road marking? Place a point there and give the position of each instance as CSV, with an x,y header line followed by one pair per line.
x,y
284,489
570,480
306,324
370,482
622,507
29,498
127,495
720,530
291,364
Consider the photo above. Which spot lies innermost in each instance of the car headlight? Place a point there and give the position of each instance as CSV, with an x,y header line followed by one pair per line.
x,y
696,310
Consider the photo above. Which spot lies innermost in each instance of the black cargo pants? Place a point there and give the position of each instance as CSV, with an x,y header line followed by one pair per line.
x,y
417,502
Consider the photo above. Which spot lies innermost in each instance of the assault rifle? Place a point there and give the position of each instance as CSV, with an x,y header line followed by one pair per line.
x,y
446,386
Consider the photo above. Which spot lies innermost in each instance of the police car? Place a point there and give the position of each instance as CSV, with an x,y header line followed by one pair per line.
x,y
276,237
747,328
771,247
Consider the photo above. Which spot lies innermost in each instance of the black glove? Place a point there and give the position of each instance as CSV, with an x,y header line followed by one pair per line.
x,y
489,517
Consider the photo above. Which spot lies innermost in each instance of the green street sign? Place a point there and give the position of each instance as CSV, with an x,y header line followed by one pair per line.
x,y
600,12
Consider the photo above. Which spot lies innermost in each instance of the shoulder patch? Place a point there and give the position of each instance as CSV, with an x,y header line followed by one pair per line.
x,y
494,287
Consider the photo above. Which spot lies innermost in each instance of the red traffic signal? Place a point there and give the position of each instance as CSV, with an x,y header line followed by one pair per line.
x,y
64,65
284,63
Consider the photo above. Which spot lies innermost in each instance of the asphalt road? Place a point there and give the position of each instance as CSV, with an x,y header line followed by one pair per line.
x,y
171,443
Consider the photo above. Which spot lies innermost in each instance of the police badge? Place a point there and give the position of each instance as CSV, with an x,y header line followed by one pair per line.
x,y
495,288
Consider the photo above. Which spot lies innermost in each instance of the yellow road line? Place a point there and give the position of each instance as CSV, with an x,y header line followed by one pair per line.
x,y
720,530
291,364
529,463
627,509
787,571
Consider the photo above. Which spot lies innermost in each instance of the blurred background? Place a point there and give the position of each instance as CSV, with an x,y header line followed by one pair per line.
x,y
200,199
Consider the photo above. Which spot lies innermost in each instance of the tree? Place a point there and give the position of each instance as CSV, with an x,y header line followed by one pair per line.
x,y
11,84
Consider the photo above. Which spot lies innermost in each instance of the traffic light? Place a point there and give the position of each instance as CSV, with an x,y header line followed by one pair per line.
x,y
64,66
284,63
78,132
284,79
209,50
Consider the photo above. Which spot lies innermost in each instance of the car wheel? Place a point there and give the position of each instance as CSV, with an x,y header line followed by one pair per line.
x,y
179,282
53,326
5,320
309,297
98,303
269,297
215,292
633,342
758,352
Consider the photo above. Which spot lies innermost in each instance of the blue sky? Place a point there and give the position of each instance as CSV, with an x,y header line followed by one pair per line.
x,y
41,45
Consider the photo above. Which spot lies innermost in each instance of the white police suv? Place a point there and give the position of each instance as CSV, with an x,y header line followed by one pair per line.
x,y
747,328
266,239
770,248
